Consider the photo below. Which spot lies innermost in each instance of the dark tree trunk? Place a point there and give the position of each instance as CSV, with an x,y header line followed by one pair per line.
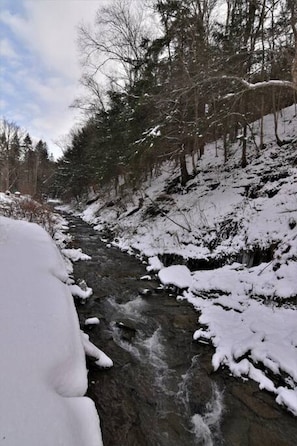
x,y
184,174
243,155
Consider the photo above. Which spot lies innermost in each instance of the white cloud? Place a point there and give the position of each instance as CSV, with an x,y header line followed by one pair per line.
x,y
45,81
7,87
3,104
7,50
49,28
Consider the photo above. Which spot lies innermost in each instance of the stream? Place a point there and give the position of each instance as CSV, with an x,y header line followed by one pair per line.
x,y
162,390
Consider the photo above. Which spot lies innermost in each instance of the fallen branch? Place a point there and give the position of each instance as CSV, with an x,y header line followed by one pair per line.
x,y
166,216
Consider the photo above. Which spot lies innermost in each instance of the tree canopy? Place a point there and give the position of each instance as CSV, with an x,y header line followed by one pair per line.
x,y
170,88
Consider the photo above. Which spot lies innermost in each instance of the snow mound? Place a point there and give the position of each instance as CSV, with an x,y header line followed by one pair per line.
x,y
177,275
102,360
43,370
75,254
92,321
154,264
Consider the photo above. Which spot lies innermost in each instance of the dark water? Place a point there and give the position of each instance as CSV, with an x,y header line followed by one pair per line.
x,y
161,390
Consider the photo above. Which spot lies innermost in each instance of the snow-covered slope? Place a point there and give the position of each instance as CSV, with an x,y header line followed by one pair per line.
x,y
43,371
236,230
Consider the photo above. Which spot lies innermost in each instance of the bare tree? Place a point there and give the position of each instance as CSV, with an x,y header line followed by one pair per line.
x,y
117,42
95,100
9,153
292,5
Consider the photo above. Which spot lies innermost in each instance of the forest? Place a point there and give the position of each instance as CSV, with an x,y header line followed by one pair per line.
x,y
25,166
163,78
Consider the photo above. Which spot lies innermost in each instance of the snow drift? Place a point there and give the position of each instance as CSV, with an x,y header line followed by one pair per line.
x,y
43,370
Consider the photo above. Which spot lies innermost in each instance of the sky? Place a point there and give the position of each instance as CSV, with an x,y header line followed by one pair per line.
x,y
39,68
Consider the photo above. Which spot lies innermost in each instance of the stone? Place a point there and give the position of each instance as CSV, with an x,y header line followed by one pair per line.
x,y
260,408
259,435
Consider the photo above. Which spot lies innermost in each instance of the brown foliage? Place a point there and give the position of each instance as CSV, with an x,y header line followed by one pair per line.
x,y
31,211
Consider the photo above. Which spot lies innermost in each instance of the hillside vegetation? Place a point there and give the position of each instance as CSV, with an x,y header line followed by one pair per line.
x,y
224,214
165,81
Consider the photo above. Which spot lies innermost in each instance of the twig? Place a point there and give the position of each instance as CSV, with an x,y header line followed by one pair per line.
x,y
166,216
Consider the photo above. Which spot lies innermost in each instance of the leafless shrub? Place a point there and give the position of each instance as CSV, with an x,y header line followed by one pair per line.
x,y
32,211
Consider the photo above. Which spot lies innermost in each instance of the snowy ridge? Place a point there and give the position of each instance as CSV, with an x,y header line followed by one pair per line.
x,y
236,229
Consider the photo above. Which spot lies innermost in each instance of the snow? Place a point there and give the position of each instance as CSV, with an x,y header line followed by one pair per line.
x,y
154,264
250,337
92,321
82,294
43,370
75,254
240,225
102,360
287,398
177,275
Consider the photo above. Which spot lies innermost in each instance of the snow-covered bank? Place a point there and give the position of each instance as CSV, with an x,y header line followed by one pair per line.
x,y
240,227
43,370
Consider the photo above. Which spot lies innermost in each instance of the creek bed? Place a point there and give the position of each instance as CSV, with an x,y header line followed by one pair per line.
x,y
162,390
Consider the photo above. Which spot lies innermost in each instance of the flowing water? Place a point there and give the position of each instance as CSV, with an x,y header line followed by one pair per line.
x,y
161,390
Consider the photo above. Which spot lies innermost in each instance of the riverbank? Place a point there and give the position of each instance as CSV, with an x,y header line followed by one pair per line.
x,y
162,389
236,231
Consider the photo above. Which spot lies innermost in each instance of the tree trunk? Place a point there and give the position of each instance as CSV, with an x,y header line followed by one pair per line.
x,y
275,118
243,154
262,124
225,147
184,174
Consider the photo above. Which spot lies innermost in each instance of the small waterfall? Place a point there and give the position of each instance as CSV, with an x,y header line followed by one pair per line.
x,y
182,396
155,354
125,345
152,350
131,309
206,427
155,350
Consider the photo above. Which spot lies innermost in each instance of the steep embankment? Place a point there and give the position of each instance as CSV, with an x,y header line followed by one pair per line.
x,y
234,231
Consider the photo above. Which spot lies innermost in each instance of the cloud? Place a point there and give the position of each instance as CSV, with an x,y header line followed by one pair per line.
x,y
7,50
41,65
49,28
3,104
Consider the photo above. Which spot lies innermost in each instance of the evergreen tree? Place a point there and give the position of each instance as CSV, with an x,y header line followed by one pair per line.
x,y
44,169
75,171
29,166
195,82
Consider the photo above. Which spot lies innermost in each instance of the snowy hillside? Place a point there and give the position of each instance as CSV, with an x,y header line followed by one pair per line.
x,y
231,235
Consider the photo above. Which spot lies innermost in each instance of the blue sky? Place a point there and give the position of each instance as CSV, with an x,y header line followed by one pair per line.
x,y
39,70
